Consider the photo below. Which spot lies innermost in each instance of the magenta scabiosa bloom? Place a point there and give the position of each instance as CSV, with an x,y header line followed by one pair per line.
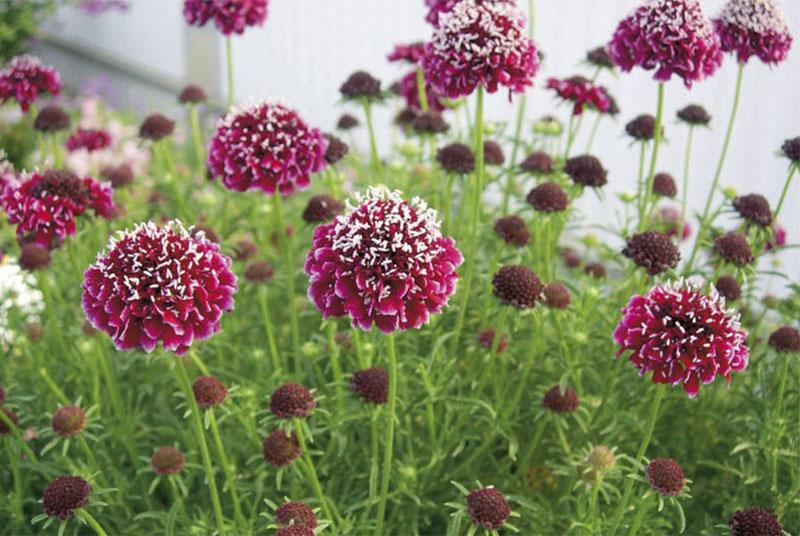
x,y
230,16
68,421
755,521
292,400
266,147
408,90
488,508
674,37
280,448
778,238
582,92
64,495
90,139
480,43
383,262
410,53
209,391
665,476
24,78
44,205
158,284
683,335
167,461
435,7
295,513
754,28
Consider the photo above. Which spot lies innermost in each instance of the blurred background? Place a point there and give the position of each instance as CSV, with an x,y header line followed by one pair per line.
x,y
141,56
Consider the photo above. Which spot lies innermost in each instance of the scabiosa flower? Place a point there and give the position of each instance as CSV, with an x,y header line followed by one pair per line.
x,y
670,36
682,335
295,530
586,170
517,286
493,153
754,28
642,127
513,230
192,94
778,238
670,218
118,176
664,185
408,90
52,118
24,78
292,400
156,127
430,122
322,208
733,248
64,495
665,476
557,296
44,206
456,158
653,251
600,58
295,513
694,115
538,163
167,461
581,92
480,43
258,272
595,270
384,262
158,284
791,149
266,147
335,150
755,521
548,197
488,508
486,340
598,461
209,391
198,12
728,287
754,208
89,139
33,257
230,16
561,400
68,421
4,428
347,122
371,384
785,339
244,249
409,53
280,449
361,85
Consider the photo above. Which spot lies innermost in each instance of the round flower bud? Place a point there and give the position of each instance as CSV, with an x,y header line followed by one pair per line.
x,y
292,400
68,421
209,391
694,115
32,257
258,272
4,428
156,127
513,230
586,170
548,197
642,128
734,248
571,257
192,94
565,401
347,122
456,158
791,149
493,153
405,118
167,461
728,287
755,521
280,449
538,163
785,339
754,208
244,249
295,530
653,251
517,286
486,340
64,495
371,384
295,513
430,122
664,185
118,176
488,508
322,209
52,118
665,476
595,270
557,296
599,57
598,461
359,85
336,150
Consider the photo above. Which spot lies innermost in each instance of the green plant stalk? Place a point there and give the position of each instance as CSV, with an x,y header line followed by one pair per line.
x,y
226,468
562,439
685,192
374,467
648,435
391,409
593,132
16,433
13,462
510,182
594,511
778,414
229,70
197,137
657,135
704,219
792,170
374,157
268,328
570,136
422,92
183,382
336,368
531,450
176,494
91,521
493,350
311,472
641,511
362,360
527,368
58,158
116,402
640,179
448,204
288,256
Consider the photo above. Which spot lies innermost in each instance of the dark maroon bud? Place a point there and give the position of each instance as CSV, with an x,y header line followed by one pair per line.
x,y
517,286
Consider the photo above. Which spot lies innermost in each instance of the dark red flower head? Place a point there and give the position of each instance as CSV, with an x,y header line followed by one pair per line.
x,y
371,384
581,92
682,335
486,340
4,429
24,78
44,206
595,269
754,208
335,150
456,158
488,508
430,122
785,339
64,495
480,43
347,122
156,127
258,272
664,185
266,147
52,118
728,287
694,115
513,230
642,127
33,257
557,296
665,476
69,421
88,139
734,248
383,262
295,530
493,153
361,85
209,391
167,461
517,286
118,176
561,400
586,170
280,449
292,400
322,208
599,57
244,249
754,28
653,251
158,284
791,149
294,513
407,89
548,197
755,521
409,53
538,163
192,94
670,37
230,16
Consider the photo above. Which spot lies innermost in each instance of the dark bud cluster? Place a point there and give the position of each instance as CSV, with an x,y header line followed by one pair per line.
x,y
52,118
347,122
664,185
599,57
292,400
68,421
538,163
754,208
557,296
33,257
694,115
280,449
405,118
456,158
785,339
548,197
734,248
488,508
728,287
586,170
561,401
429,122
791,149
258,272
755,521
295,513
665,476
295,530
336,150
322,209
512,230
192,94
209,391
653,251
517,286
64,495
118,176
361,85
642,128
371,384
493,153
167,461
244,249
156,127
486,340
595,269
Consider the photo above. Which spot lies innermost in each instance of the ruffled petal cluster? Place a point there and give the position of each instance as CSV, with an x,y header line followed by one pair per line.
x,y
581,92
230,16
384,262
90,139
24,78
408,90
156,284
754,28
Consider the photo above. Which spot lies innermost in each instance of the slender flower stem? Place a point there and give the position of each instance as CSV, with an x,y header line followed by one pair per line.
x,y
391,408
421,91
448,202
594,512
336,368
288,256
311,472
640,177
704,219
229,70
570,135
778,413
685,191
648,435
562,438
593,132
268,328
657,135
510,182
226,468
18,515
56,148
197,137
374,157
792,170
183,381
91,521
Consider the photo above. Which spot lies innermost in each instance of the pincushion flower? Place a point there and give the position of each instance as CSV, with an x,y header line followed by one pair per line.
x,y
91,139
230,16
158,284
410,53
44,205
383,262
674,37
581,92
266,147
683,335
480,43
408,90
436,7
24,78
754,28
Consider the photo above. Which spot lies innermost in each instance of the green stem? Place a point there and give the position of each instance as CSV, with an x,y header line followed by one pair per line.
x,y
570,136
593,132
197,137
704,223
56,148
13,462
685,193
91,521
423,93
510,182
268,329
312,473
374,157
657,135
640,179
336,368
778,412
226,468
562,438
391,408
641,511
448,202
288,256
229,70
593,509
792,170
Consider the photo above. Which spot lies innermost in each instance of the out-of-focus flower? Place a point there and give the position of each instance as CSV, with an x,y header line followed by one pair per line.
x,y
89,139
754,28
694,115
670,218
410,53
407,89
600,58
294,513
24,78
733,247
586,170
167,461
754,208
230,16
665,476
513,230
778,238
582,92
361,85
52,118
